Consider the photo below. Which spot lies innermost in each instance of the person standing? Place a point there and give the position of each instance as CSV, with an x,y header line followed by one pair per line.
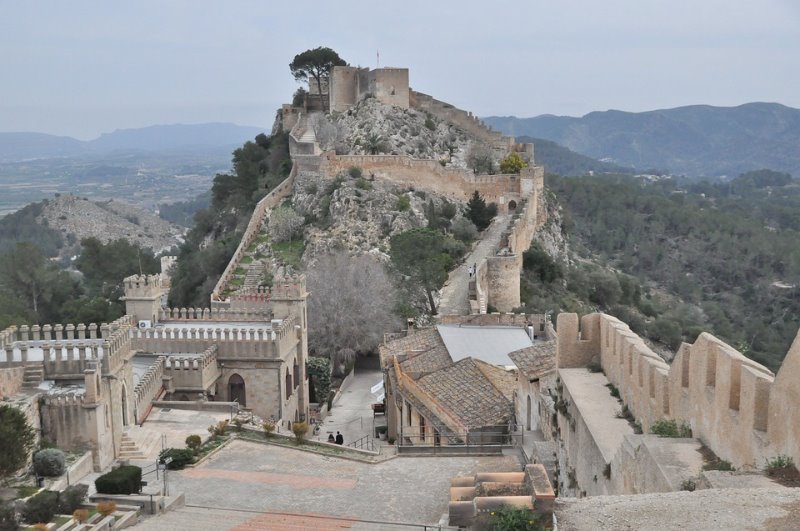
x,y
339,438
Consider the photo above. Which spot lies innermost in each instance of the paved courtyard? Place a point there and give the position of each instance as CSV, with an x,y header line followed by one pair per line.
x,y
235,487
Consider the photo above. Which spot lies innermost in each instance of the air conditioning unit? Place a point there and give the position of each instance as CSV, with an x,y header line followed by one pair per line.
x,y
145,324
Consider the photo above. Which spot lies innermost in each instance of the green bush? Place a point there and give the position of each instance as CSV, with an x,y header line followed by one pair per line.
x,y
40,508
193,443
180,457
8,517
670,428
403,203
778,463
122,480
355,172
363,184
71,498
49,462
509,518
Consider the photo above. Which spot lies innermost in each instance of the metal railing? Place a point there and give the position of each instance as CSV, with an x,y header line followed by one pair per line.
x,y
364,443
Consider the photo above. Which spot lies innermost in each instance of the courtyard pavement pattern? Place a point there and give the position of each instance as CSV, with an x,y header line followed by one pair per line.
x,y
455,293
254,486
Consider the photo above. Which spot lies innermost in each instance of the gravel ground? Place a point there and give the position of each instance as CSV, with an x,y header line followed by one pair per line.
x,y
711,509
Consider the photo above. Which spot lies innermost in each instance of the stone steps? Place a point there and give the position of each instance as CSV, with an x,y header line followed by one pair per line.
x,y
33,376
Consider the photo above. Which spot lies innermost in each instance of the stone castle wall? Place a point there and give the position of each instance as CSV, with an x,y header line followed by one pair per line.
x,y
349,84
269,201
502,145
428,175
733,404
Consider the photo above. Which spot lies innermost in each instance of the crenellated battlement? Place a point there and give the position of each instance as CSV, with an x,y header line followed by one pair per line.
x,y
64,400
213,314
731,402
233,341
143,286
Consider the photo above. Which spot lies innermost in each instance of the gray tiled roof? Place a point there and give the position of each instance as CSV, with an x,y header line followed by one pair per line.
x,y
535,361
465,391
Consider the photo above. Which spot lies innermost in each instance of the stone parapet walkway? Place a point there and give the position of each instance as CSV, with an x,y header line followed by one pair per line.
x,y
455,293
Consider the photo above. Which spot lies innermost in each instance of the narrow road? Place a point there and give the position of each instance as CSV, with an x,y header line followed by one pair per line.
x,y
455,292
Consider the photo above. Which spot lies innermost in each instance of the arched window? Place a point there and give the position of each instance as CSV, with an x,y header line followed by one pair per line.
x,y
296,374
288,384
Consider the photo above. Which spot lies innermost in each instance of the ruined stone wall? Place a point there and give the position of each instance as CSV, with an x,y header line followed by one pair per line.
x,y
733,404
11,380
463,119
427,174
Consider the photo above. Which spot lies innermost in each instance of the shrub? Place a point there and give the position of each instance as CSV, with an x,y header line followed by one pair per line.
x,y
40,508
193,443
285,224
778,463
464,230
689,485
106,507
300,429
355,172
512,164
180,457
363,184
71,498
8,517
219,428
670,428
403,203
613,389
268,426
430,124
122,480
49,462
80,515
509,518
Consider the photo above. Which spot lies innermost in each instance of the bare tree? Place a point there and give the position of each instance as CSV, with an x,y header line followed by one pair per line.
x,y
285,224
480,158
350,307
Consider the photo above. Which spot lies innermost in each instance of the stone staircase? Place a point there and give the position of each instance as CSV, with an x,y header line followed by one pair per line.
x,y
33,376
308,136
140,443
254,275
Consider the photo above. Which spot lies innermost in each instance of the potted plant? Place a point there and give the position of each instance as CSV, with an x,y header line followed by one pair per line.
x,y
381,431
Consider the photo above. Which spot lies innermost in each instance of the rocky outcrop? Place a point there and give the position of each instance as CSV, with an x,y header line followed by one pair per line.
x,y
107,221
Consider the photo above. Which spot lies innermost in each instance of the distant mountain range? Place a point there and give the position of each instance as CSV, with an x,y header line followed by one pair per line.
x,y
698,140
22,146
557,159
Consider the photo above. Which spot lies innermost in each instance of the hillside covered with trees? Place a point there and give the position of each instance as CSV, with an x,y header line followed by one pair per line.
x,y
673,259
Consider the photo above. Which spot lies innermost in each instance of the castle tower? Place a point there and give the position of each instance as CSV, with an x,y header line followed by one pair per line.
x,y
143,297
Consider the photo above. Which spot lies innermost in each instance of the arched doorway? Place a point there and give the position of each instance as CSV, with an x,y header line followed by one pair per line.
x,y
124,405
512,205
236,390
528,414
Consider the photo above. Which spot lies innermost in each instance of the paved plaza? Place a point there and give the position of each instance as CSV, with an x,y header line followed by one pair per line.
x,y
235,487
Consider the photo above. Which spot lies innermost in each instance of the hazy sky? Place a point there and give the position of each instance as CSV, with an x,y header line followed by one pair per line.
x,y
82,68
